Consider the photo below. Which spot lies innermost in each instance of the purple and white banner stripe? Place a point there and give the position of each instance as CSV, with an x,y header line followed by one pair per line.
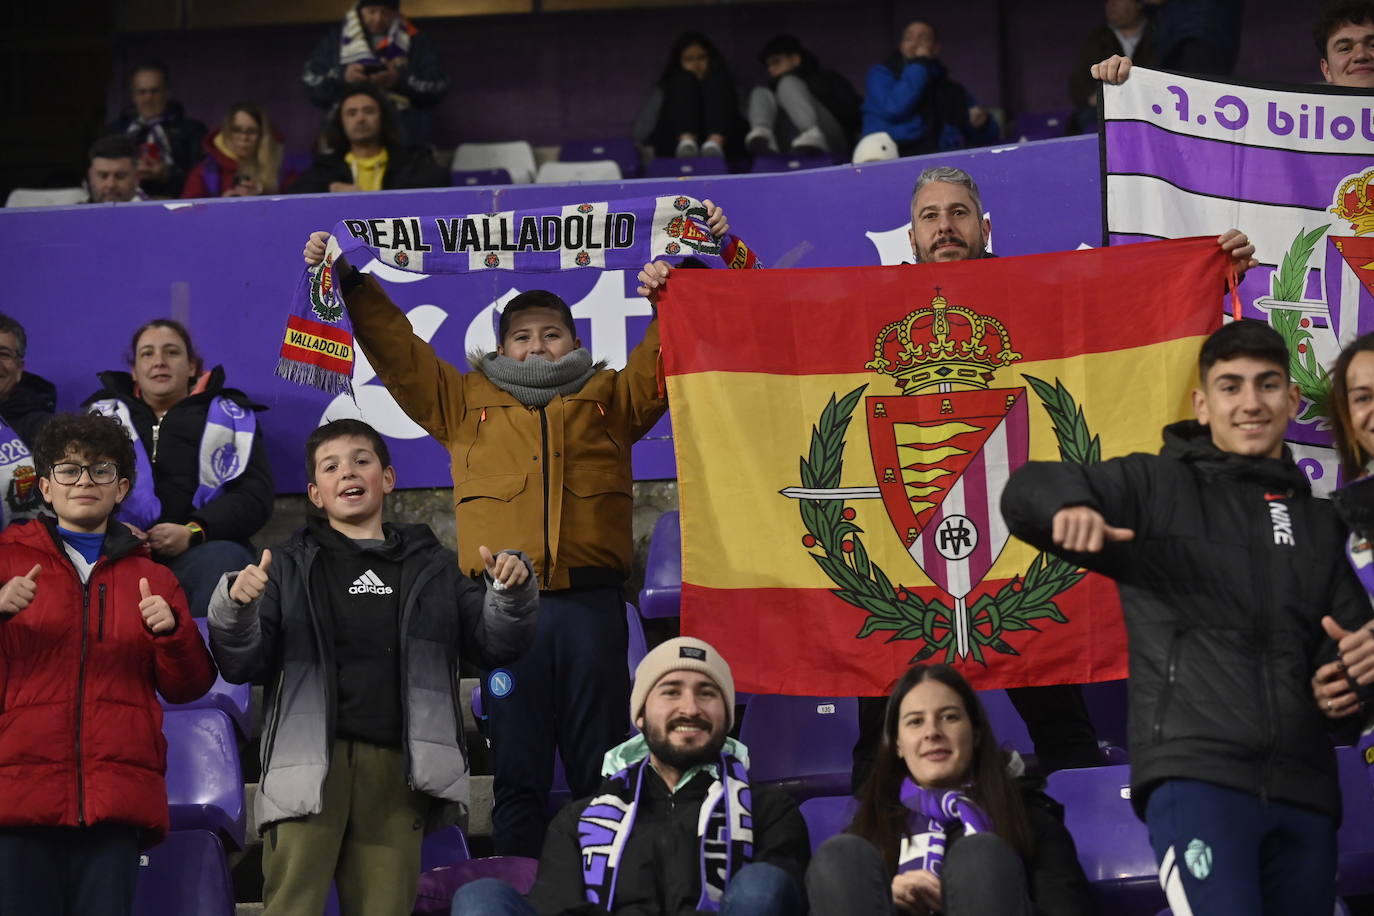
x,y
1183,156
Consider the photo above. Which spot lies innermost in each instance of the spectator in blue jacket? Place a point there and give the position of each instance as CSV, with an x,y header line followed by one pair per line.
x,y
910,97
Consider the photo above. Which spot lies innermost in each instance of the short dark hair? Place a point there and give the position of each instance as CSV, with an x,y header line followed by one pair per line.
x,y
780,44
113,146
342,429
155,66
90,434
1337,13
334,136
534,299
9,326
176,327
1247,337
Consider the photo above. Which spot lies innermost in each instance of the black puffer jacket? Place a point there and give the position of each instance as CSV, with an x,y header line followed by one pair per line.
x,y
1232,567
243,506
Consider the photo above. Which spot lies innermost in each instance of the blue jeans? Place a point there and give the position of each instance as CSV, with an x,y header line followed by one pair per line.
x,y
200,567
1226,851
758,889
490,897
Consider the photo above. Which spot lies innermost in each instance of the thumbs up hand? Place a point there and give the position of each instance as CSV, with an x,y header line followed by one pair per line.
x,y
507,570
157,613
251,581
18,593
1355,649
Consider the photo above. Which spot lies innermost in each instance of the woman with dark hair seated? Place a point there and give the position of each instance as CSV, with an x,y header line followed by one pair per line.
x,y
944,825
693,109
204,485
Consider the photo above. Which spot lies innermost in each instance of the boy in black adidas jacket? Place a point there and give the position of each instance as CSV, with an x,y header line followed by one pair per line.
x,y
356,628
1226,565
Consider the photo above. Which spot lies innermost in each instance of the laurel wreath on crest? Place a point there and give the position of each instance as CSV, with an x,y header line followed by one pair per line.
x,y
1018,606
1311,377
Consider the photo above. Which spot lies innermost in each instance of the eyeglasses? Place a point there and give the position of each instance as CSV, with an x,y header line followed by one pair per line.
x,y
8,356
244,131
69,472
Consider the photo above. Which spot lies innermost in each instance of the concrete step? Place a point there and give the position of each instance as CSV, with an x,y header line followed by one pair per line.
x,y
248,909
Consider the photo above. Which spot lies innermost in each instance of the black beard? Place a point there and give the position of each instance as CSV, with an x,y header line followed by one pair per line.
x,y
682,759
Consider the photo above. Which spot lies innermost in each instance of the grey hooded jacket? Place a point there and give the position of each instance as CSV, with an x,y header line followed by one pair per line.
x,y
284,640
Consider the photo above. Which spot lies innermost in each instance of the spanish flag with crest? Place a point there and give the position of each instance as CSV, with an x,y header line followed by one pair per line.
x,y
843,436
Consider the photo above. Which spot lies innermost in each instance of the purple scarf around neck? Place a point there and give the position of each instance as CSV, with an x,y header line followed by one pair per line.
x,y
933,813
727,842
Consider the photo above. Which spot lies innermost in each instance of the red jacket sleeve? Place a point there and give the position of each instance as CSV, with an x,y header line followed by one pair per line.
x,y
183,668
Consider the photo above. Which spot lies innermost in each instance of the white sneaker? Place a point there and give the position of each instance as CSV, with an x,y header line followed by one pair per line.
x,y
761,141
810,142
687,148
712,148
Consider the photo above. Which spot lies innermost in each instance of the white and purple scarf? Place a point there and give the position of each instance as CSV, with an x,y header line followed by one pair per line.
x,y
933,813
356,46
19,493
725,830
317,348
225,444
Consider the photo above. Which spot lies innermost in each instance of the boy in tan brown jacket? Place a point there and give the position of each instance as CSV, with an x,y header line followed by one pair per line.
x,y
539,438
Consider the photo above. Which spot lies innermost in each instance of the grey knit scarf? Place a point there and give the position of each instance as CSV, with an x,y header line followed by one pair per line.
x,y
535,381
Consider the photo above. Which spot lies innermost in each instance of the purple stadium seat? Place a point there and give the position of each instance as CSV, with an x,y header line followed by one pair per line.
x,y
186,873
478,177
621,150
1006,722
802,745
231,699
826,816
1044,125
437,887
446,846
662,592
771,163
1355,840
204,777
1113,844
639,646
674,168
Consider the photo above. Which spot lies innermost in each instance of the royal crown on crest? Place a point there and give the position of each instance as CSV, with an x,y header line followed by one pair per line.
x,y
1355,202
942,344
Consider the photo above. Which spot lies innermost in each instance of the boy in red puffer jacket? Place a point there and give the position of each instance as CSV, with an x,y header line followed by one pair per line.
x,y
91,629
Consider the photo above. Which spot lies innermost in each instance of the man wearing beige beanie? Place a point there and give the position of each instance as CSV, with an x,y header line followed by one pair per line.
x,y
676,827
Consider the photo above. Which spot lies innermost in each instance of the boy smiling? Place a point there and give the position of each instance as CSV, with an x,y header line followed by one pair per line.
x,y
357,626
91,630
1226,565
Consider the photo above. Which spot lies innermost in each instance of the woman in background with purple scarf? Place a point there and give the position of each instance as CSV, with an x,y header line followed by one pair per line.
x,y
204,485
944,825
1344,689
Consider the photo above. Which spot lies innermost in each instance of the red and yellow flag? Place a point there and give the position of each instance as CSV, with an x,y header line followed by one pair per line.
x,y
843,436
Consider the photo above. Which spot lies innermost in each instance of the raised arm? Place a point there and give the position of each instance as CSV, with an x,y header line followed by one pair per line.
x,y
428,388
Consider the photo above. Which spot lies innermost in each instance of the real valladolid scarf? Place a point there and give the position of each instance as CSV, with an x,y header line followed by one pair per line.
x,y
317,348
933,813
725,832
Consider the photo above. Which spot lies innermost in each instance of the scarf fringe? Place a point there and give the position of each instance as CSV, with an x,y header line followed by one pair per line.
x,y
327,380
